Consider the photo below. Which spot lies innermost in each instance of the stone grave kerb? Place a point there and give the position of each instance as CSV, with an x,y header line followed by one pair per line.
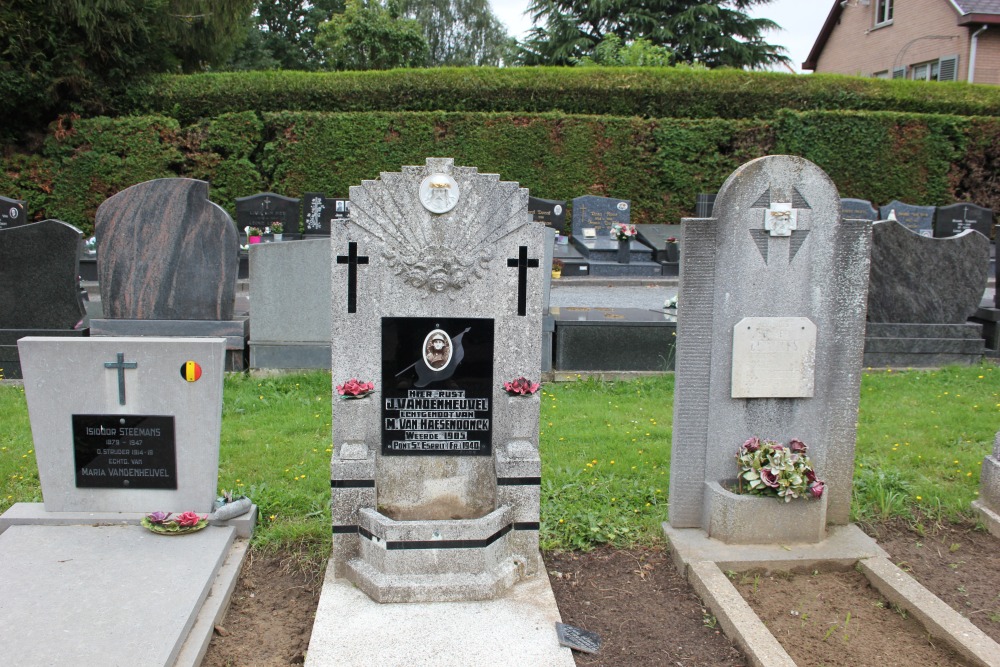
x,y
776,248
427,247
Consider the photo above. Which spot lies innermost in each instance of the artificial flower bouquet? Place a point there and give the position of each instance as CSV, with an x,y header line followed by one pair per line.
x,y
768,468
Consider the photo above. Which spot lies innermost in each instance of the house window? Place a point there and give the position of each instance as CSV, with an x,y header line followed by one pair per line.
x,y
884,74
883,11
925,71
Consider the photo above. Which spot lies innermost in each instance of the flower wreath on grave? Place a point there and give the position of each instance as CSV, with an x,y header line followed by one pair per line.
x,y
768,468
186,522
355,388
623,231
521,386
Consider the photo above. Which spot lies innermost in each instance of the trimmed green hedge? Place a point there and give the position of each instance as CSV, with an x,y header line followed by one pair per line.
x,y
661,164
644,91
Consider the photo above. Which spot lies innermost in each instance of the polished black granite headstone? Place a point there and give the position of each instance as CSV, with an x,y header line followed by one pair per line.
x,y
599,214
918,219
12,213
266,208
317,214
656,237
955,219
857,209
613,339
549,212
39,265
915,279
165,252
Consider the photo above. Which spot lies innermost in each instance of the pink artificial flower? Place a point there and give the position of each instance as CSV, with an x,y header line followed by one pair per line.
x,y
188,519
522,386
816,489
769,478
355,387
797,446
158,517
752,444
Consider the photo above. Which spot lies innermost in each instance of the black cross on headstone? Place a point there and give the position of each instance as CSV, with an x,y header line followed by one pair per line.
x,y
352,260
121,365
523,264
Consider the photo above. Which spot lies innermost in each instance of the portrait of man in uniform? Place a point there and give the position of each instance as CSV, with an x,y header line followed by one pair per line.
x,y
437,350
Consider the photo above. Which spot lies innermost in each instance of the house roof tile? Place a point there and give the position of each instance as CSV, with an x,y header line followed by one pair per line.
x,y
978,6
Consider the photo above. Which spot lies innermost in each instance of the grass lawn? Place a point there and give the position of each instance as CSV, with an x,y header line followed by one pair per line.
x,y
922,436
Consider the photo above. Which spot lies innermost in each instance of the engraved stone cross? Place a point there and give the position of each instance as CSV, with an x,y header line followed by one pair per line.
x,y
788,219
121,365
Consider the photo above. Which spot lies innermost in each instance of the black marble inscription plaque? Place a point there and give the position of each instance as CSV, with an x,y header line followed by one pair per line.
x,y
549,212
124,452
12,213
437,386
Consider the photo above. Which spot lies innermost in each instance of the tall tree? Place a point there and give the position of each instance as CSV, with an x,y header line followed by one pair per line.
x,y
714,33
460,32
368,36
61,55
284,34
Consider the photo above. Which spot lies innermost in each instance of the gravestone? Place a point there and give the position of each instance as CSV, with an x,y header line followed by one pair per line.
x,y
921,292
141,438
770,332
167,261
437,299
988,502
665,242
589,339
857,209
118,432
593,219
266,208
290,293
12,213
39,288
549,212
955,219
703,205
317,214
918,219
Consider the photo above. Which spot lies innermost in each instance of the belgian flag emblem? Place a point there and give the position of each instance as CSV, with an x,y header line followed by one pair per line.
x,y
191,371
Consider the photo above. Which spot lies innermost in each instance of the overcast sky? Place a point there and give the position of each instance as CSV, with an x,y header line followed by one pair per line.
x,y
800,21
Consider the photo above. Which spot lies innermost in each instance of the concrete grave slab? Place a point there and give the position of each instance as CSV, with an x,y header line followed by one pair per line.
x,y
104,595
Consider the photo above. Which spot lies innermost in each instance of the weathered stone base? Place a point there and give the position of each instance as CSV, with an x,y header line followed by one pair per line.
x,y
442,561
744,519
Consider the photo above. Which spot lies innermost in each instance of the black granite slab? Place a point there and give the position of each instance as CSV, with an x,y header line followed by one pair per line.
x,y
266,208
599,214
39,269
857,209
655,236
319,212
10,360
12,213
919,219
549,212
613,339
955,219
916,279
165,252
922,345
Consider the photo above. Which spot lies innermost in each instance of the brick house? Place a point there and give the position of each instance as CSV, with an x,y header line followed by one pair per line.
x,y
932,40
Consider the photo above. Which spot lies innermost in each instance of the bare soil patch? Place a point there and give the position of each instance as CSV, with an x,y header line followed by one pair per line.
x,y
837,618
647,614
956,562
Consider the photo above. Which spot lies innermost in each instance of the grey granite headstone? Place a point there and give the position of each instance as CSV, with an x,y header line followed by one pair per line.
x,y
955,219
857,209
915,279
776,249
703,205
290,293
39,266
266,208
165,252
437,299
549,212
118,428
918,219
12,213
599,214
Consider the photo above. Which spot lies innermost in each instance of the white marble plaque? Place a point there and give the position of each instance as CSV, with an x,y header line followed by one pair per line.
x,y
774,357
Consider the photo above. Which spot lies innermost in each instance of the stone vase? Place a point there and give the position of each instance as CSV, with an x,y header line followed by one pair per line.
x,y
672,253
624,251
748,519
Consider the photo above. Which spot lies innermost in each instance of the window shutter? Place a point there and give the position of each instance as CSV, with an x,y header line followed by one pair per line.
x,y
899,72
948,68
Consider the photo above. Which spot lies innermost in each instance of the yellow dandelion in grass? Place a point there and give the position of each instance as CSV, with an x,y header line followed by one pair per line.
x,y
919,497
594,461
328,450
612,461
955,461
562,520
613,499
968,474
981,377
